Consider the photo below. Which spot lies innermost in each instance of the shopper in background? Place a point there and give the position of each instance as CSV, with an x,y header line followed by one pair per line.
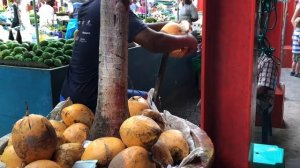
x,y
24,14
142,9
134,6
15,14
46,13
267,76
81,81
188,11
294,64
296,49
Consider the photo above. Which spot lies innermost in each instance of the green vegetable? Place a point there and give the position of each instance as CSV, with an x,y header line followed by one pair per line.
x,y
44,43
19,50
46,55
28,59
61,58
3,47
19,57
69,41
68,47
52,44
14,45
25,45
48,62
57,62
62,40
69,52
41,60
67,59
59,44
35,58
38,52
27,54
34,48
4,53
58,53
50,50
9,58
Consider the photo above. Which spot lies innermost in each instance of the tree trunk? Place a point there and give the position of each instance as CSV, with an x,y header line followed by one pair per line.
x,y
112,105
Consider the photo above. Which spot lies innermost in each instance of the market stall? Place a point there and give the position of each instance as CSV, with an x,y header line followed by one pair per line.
x,y
41,68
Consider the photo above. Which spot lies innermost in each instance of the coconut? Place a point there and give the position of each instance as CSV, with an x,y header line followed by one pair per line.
x,y
176,143
34,138
43,164
67,154
103,150
139,131
76,133
77,113
132,157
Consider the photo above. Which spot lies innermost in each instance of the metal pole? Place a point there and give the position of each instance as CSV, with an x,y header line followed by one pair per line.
x,y
36,25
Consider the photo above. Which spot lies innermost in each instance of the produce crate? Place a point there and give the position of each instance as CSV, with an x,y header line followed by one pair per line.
x,y
40,88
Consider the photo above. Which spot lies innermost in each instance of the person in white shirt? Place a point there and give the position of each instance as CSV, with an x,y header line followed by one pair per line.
x,y
46,13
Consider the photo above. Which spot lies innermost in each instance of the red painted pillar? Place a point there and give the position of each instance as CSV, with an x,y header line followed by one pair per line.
x,y
200,5
228,79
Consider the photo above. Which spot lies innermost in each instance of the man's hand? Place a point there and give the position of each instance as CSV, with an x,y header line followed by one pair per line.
x,y
192,44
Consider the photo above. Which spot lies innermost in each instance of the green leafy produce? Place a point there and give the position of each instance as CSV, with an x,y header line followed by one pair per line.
x,y
38,52
46,55
43,48
25,45
19,50
150,20
58,53
57,62
44,43
35,58
3,47
69,52
68,47
61,58
41,60
14,45
67,59
35,47
19,57
59,44
28,59
27,54
52,44
50,50
69,41
9,58
49,62
4,53
62,40
13,53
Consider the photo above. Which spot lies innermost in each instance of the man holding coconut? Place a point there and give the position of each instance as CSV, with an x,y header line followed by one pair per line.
x,y
81,82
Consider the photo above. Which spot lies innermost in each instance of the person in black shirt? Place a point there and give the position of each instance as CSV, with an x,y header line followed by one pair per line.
x,y
81,82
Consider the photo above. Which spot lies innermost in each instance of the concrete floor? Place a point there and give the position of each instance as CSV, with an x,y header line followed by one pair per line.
x,y
289,137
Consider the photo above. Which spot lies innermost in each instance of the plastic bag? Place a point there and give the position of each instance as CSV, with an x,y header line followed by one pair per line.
x,y
71,28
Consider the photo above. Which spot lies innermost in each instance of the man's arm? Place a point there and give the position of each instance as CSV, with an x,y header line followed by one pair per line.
x,y
156,26
162,42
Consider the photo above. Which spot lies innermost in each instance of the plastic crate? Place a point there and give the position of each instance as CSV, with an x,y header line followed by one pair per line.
x,y
266,156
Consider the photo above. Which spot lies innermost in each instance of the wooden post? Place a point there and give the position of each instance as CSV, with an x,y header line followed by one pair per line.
x,y
112,105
